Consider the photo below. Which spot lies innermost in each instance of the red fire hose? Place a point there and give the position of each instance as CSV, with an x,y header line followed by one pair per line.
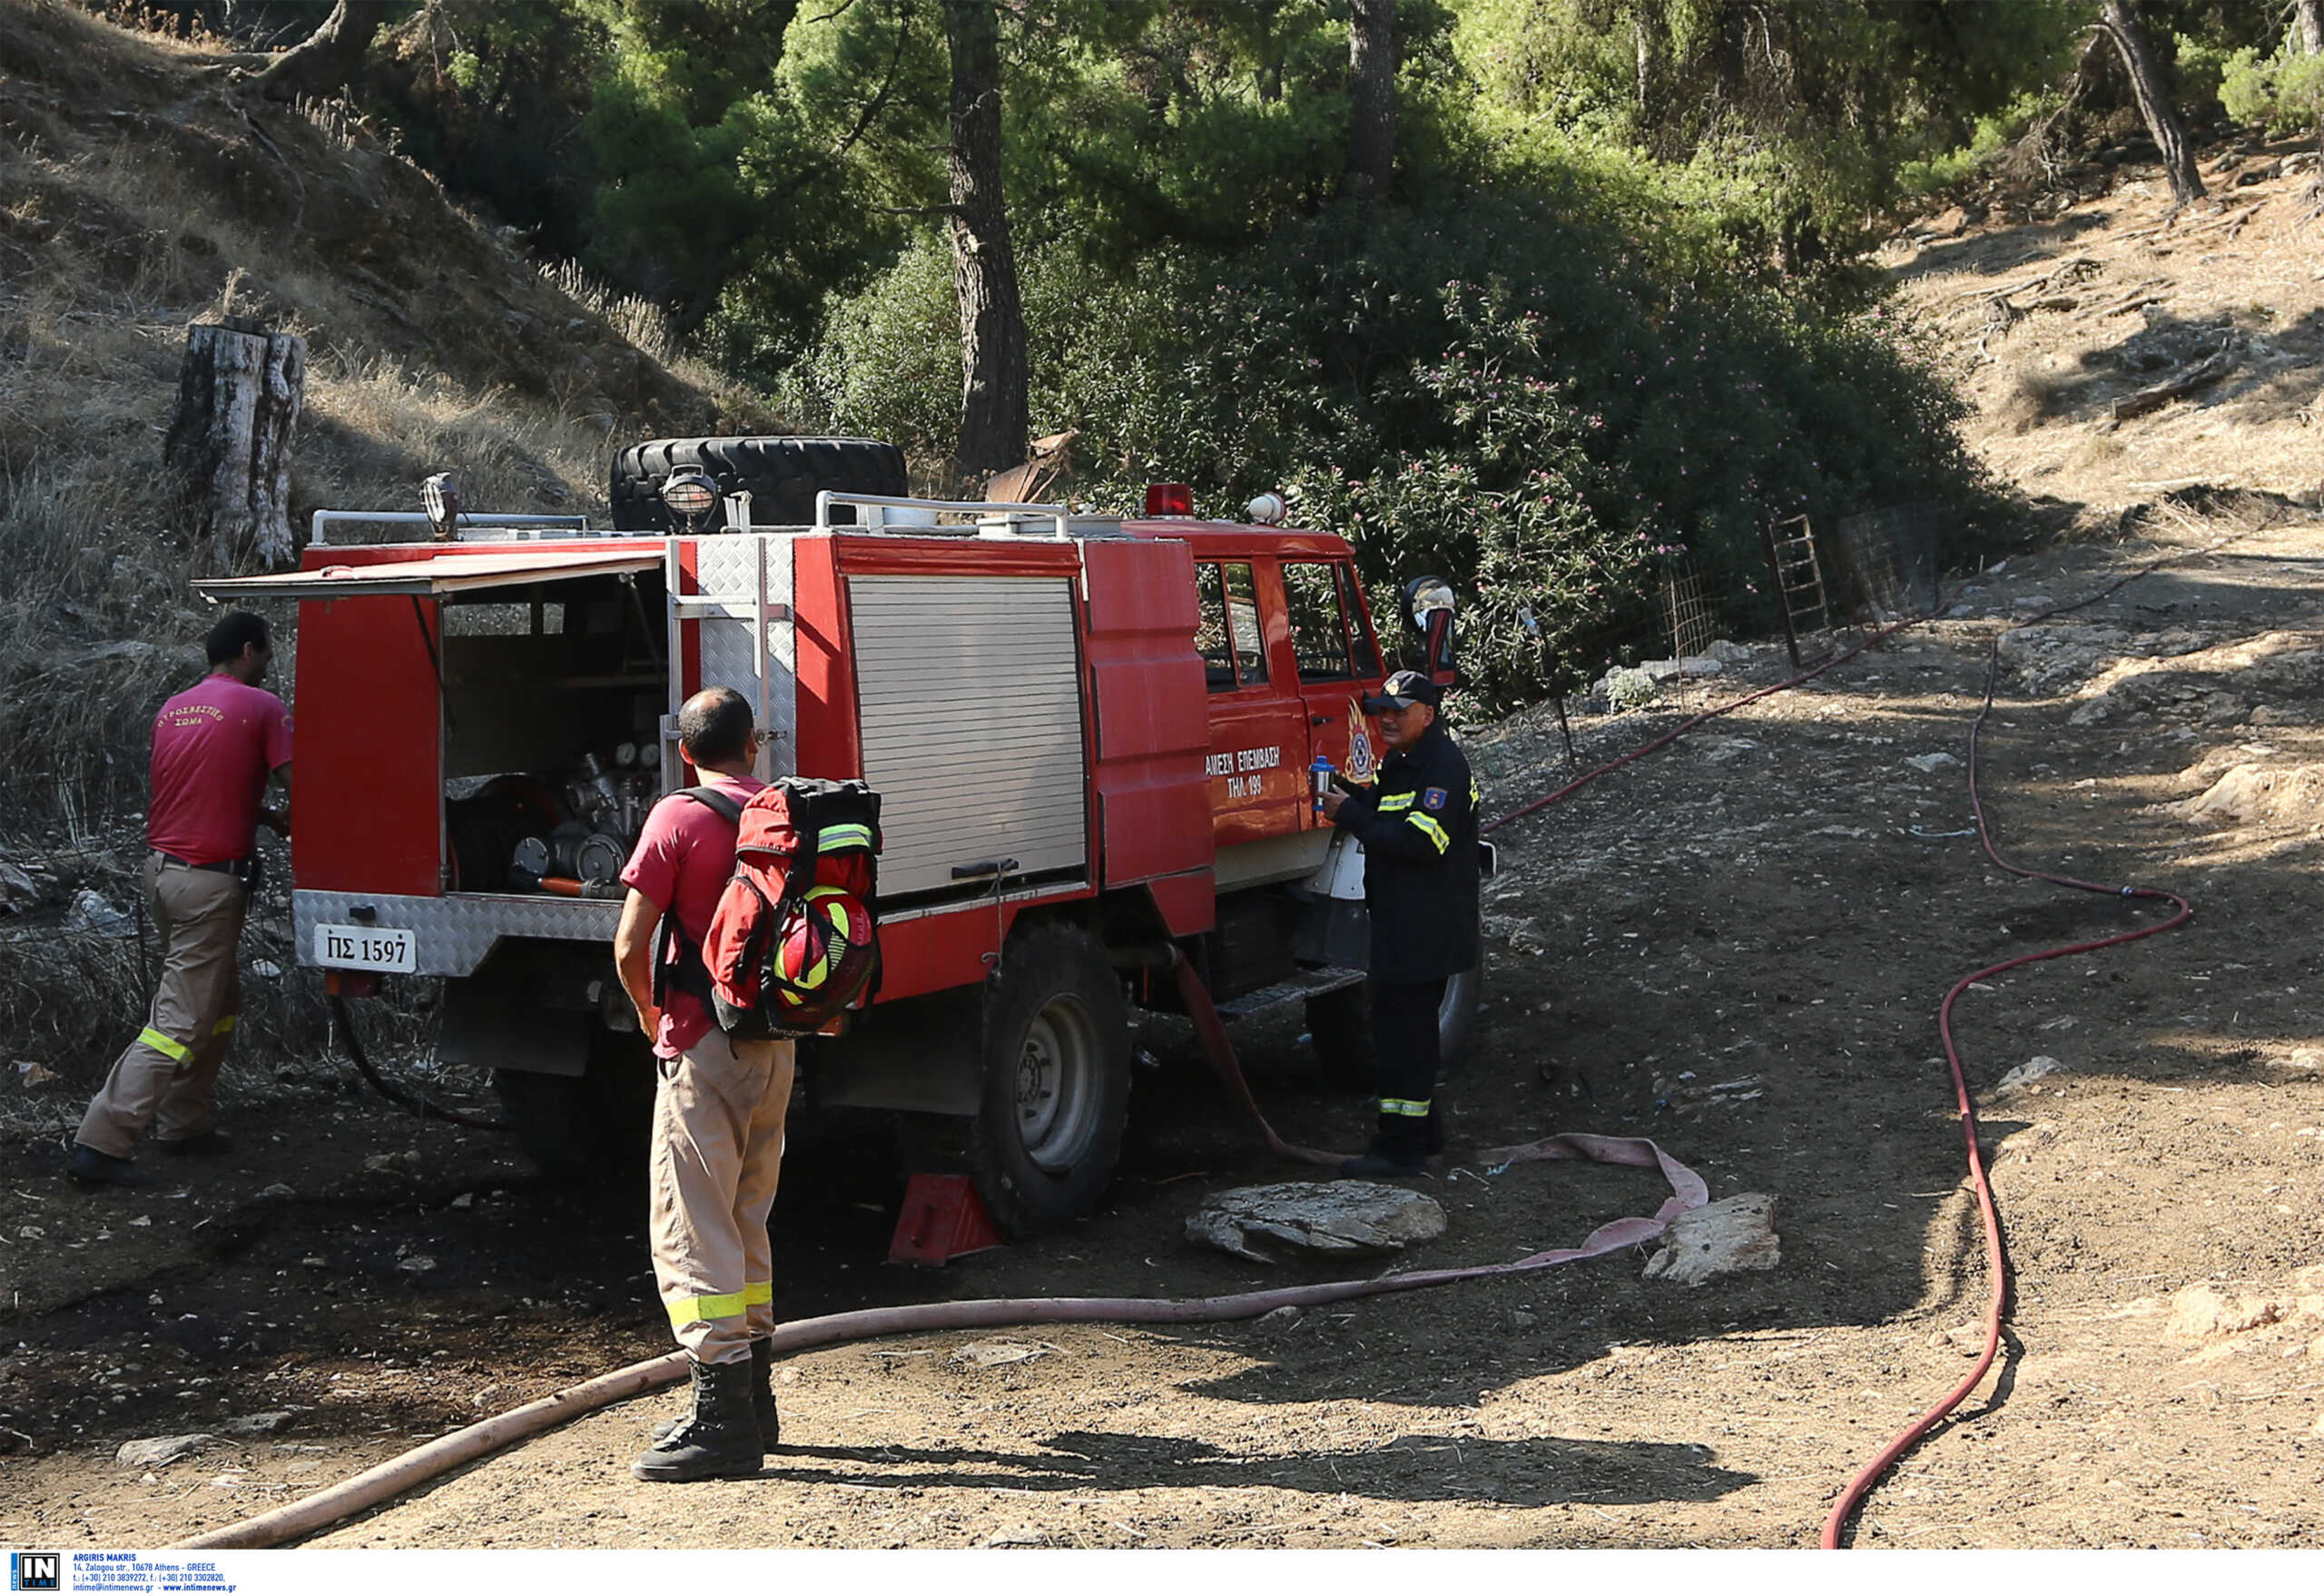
x,y
1687,1191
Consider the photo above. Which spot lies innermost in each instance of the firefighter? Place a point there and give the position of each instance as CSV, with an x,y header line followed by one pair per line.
x,y
1418,825
718,1111
214,746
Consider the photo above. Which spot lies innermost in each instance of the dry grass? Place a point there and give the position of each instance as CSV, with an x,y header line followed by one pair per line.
x,y
135,199
2128,293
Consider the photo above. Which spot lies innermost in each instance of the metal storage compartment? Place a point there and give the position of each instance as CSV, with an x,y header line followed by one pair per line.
x,y
968,702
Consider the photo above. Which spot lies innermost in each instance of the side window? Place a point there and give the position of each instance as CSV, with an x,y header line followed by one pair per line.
x,y
1318,622
1234,652
1210,639
1359,631
1242,626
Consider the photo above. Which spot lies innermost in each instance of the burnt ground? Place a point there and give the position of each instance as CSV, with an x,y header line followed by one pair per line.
x,y
1736,947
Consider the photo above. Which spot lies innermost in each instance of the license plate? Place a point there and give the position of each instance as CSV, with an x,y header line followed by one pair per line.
x,y
363,946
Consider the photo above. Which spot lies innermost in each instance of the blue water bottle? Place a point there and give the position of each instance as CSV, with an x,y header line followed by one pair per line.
x,y
1319,777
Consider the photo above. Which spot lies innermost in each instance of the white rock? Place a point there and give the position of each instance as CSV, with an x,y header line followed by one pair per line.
x,y
1332,1219
1928,764
2204,1314
1725,1238
92,914
2027,1073
1025,1535
416,1263
257,1423
277,1190
993,1354
161,1451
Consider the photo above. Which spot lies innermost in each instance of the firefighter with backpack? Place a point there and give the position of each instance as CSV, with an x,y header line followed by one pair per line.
x,y
717,1109
749,921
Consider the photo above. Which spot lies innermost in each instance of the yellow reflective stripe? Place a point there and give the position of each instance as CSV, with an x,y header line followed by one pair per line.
x,y
1474,796
165,1046
224,1026
1395,800
758,1292
847,836
690,1310
1434,833
1405,1107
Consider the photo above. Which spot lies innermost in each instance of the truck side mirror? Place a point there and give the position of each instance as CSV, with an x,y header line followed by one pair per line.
x,y
1428,611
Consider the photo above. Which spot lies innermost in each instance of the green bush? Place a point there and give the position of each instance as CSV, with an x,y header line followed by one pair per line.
x,y
2285,91
1527,401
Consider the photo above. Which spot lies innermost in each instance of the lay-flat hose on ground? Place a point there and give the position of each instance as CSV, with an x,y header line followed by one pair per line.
x,y
447,1453
437,1457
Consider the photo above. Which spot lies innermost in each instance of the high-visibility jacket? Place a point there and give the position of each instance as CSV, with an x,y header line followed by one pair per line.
x,y
1418,825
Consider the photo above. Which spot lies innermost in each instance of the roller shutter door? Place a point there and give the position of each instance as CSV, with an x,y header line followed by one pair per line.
x,y
968,694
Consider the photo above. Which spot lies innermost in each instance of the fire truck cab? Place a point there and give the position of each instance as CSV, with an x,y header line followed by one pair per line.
x,y
1092,737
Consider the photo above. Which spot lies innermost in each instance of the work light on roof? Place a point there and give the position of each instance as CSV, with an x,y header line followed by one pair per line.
x,y
692,498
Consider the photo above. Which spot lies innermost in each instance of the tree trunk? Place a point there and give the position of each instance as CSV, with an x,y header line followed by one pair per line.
x,y
2309,32
229,444
2148,84
984,263
328,58
1371,99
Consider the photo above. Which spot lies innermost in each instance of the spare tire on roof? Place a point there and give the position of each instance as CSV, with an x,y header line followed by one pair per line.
x,y
781,475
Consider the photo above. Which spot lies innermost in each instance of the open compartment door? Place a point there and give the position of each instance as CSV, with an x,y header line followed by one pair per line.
x,y
438,576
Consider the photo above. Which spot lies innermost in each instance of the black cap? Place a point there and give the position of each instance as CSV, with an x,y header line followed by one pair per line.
x,y
1401,691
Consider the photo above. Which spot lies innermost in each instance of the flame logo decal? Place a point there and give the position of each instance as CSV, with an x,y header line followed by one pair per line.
x,y
1359,744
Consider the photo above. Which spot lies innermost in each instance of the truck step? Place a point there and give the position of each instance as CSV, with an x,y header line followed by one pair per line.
x,y
1303,984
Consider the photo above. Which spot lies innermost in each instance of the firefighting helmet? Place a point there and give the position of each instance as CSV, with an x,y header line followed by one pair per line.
x,y
824,954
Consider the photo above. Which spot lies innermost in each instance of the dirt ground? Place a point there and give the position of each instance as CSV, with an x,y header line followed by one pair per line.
x,y
1736,947
2047,323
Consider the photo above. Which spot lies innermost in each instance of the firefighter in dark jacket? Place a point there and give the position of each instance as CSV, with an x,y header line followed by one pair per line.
x,y
1418,825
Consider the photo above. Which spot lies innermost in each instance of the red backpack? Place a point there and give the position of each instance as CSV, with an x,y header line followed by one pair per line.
x,y
795,940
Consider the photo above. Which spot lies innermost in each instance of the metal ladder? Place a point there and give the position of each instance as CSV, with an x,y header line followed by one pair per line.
x,y
1799,583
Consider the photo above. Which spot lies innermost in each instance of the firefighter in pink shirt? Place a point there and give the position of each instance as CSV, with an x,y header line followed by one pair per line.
x,y
718,1110
214,746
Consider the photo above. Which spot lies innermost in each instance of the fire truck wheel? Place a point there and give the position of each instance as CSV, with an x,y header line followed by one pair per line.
x,y
1056,1081
576,1128
781,475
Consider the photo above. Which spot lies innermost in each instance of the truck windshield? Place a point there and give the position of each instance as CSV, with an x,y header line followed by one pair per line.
x,y
1319,629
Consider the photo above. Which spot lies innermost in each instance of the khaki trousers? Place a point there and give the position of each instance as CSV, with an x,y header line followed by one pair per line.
x,y
169,1075
717,1153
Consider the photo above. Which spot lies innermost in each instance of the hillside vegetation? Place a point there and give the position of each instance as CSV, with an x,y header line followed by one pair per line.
x,y
1592,303
138,199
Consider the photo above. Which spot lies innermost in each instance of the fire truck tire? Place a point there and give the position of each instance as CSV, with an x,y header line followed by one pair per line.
x,y
781,475
1056,1093
576,1128
1339,1027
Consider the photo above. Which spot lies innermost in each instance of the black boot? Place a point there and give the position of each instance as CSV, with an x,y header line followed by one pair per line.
x,y
719,1439
761,1399
763,1395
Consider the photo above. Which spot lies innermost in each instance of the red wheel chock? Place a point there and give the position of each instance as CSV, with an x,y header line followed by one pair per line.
x,y
943,1219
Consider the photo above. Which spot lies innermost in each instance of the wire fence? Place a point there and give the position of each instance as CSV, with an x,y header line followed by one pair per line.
x,y
1887,561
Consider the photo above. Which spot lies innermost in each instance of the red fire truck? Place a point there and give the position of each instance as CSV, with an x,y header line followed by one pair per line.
x,y
1093,738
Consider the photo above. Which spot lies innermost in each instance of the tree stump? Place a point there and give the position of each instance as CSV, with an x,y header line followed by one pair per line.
x,y
229,445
